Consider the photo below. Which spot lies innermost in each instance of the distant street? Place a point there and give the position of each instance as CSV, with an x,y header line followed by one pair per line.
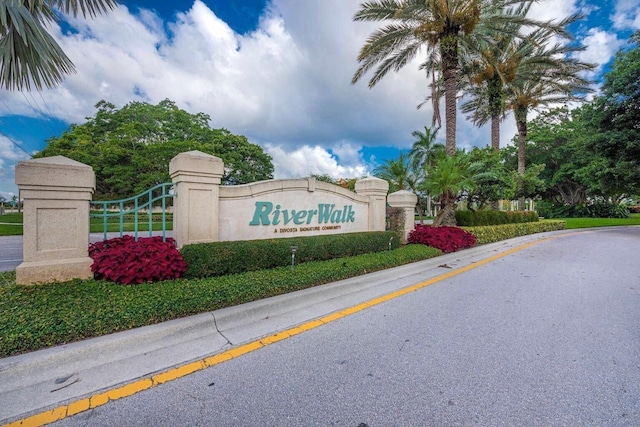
x,y
547,336
10,252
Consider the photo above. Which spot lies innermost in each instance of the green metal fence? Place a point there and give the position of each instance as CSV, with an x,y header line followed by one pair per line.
x,y
158,198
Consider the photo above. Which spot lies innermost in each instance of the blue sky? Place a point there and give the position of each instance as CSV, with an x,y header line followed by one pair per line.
x,y
278,72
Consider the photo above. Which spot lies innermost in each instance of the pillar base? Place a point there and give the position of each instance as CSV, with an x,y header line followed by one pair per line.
x,y
48,271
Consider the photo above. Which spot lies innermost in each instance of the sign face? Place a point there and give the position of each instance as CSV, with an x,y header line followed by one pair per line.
x,y
292,213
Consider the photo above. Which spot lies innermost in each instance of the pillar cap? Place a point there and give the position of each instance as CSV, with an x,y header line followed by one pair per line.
x,y
196,163
55,171
402,199
372,185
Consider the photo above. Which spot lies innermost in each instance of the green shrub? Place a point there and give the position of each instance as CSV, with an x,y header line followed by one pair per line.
x,y
596,209
495,233
468,218
222,258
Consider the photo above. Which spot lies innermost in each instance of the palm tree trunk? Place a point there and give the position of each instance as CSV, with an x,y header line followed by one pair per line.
x,y
495,132
449,56
447,215
522,136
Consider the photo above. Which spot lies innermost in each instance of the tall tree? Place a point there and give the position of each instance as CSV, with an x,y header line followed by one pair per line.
x,y
559,139
29,55
424,149
555,79
416,24
616,115
130,148
443,28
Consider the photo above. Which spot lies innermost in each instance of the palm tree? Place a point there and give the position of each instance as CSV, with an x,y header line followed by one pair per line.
x,y
556,80
28,53
448,177
423,153
496,58
397,173
424,149
416,24
444,28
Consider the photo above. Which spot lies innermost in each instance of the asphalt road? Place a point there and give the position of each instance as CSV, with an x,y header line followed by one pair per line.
x,y
547,336
10,252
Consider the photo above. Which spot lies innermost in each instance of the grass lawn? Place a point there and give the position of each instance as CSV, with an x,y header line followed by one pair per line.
x,y
11,224
573,223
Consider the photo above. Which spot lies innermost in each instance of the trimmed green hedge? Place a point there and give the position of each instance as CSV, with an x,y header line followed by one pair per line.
x,y
222,258
495,233
467,218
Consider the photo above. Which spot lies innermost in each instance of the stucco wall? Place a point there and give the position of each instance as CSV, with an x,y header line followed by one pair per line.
x,y
290,208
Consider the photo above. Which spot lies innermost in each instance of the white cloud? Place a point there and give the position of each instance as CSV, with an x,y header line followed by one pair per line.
x,y
553,10
307,160
601,46
626,15
10,154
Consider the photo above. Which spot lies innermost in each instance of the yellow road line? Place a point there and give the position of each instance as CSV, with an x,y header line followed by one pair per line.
x,y
94,401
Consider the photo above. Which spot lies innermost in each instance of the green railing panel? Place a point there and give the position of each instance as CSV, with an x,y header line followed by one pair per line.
x,y
141,204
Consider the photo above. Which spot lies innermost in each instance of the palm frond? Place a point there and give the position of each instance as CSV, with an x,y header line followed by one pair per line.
x,y
29,56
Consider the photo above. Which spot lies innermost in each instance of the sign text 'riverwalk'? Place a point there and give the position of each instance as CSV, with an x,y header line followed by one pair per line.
x,y
326,213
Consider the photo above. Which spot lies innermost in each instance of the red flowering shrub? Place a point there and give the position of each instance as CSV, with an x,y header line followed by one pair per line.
x,y
125,260
447,239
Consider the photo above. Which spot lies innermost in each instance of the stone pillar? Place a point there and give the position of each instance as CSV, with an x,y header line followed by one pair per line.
x,y
376,189
196,177
407,201
56,192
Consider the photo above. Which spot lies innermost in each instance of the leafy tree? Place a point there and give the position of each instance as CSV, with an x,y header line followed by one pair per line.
x,y
28,53
560,140
616,115
130,148
529,185
494,181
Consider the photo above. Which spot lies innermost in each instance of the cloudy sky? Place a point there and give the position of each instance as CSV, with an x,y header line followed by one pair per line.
x,y
276,71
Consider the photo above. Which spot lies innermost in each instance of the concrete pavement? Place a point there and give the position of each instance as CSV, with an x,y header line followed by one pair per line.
x,y
41,381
